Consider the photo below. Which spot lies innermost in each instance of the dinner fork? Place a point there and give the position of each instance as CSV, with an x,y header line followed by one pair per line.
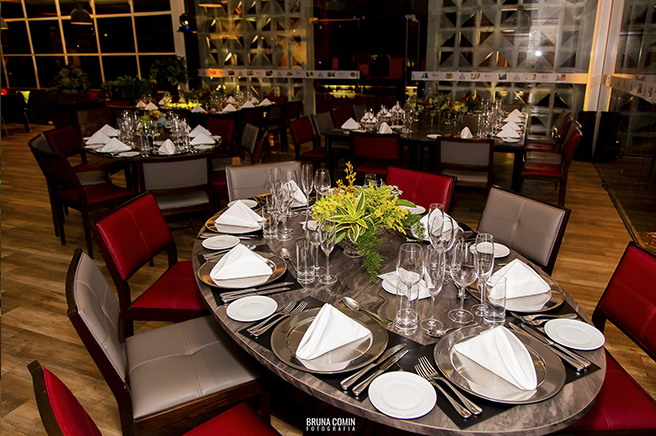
x,y
282,311
462,411
529,318
435,375
298,309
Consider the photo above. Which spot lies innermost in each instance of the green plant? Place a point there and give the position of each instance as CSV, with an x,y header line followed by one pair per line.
x,y
70,78
169,71
129,87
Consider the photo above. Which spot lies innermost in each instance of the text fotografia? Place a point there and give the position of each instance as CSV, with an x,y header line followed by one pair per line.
x,y
329,424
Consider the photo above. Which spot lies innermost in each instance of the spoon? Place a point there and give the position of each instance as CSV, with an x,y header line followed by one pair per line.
x,y
284,253
440,333
352,304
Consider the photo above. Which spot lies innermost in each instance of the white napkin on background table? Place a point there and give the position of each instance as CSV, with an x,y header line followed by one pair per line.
x,y
231,99
513,117
391,280
108,130
466,133
508,132
240,215
521,280
151,106
198,109
517,113
499,351
167,147
201,139
254,100
265,102
385,128
115,145
98,138
512,125
329,330
229,108
141,104
199,129
350,124
247,105
162,102
240,262
299,196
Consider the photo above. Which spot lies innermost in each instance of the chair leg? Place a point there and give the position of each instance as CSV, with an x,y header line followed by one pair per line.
x,y
562,193
265,407
87,232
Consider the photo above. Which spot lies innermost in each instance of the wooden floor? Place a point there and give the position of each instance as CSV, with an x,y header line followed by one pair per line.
x,y
34,264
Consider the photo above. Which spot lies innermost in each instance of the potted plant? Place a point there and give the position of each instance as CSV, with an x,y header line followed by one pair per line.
x,y
70,80
168,72
127,88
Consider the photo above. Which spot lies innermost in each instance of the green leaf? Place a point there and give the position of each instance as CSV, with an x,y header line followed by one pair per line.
x,y
406,203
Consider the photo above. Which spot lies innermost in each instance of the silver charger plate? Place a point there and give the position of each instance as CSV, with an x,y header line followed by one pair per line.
x,y
276,263
531,304
287,335
473,378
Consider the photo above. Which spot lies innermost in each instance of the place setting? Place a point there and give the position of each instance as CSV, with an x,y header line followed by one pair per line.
x,y
237,219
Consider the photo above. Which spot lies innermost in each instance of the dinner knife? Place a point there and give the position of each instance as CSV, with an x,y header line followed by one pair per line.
x,y
384,367
575,364
260,288
585,362
232,298
350,380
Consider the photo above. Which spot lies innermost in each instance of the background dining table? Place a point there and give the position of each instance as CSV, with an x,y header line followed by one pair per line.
x,y
555,413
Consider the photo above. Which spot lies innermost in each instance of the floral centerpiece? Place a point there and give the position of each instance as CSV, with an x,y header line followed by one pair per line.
x,y
360,211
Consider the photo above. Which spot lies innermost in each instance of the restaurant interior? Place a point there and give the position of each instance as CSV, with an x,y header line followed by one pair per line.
x,y
436,71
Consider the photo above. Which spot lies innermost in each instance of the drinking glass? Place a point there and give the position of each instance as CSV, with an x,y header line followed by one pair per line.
x,y
284,197
484,265
290,178
434,277
313,235
304,268
328,231
409,270
435,224
307,184
370,178
463,273
322,182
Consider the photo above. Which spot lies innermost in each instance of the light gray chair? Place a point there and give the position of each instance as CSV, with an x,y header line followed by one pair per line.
x,y
470,161
161,376
530,227
251,180
323,123
180,184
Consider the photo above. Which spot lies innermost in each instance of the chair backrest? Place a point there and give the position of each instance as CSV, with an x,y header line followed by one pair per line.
x,y
89,119
302,131
375,146
252,115
558,123
359,111
251,180
563,131
469,160
422,188
629,301
275,114
251,140
530,227
58,172
61,413
223,127
341,114
323,123
570,146
40,143
278,100
294,109
65,141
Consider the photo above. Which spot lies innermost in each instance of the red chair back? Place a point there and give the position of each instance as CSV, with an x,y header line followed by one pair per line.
x,y
569,149
131,234
61,413
223,127
561,135
422,188
376,146
294,109
629,301
302,131
341,114
278,100
65,141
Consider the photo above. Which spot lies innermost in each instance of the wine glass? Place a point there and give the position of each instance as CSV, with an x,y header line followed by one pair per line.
x,y
313,235
435,224
322,182
289,177
484,265
307,184
434,277
463,273
284,197
328,231
409,270
370,179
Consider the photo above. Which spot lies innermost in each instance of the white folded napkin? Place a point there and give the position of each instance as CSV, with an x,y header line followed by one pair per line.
x,y
499,351
329,330
391,281
512,125
198,109
247,105
254,100
448,223
162,102
240,215
141,104
201,139
108,130
265,102
385,128
517,113
151,106
240,262
181,99
231,99
299,196
513,117
508,132
98,138
350,124
229,108
521,280
466,133
115,145
199,129
167,147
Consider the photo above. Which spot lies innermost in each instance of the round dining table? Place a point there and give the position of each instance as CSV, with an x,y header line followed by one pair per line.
x,y
566,406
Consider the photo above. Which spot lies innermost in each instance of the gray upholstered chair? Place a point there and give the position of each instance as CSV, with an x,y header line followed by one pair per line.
x,y
530,227
180,184
161,376
250,180
470,161
323,123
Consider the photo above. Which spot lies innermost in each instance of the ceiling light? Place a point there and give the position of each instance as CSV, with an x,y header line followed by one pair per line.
x,y
80,16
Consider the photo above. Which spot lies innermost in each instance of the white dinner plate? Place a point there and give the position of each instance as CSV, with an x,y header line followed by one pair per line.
x,y
434,135
129,154
203,147
510,139
100,150
402,395
500,250
574,334
251,308
216,137
247,202
220,242
94,146
417,210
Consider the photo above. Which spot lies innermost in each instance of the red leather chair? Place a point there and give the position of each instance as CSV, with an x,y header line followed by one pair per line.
x,y
422,188
341,114
129,237
225,128
629,302
67,191
557,173
302,132
63,415
374,153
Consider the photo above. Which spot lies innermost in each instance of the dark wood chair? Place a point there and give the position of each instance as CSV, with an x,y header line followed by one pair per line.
x,y
302,132
341,114
422,188
555,143
226,129
374,153
470,161
274,123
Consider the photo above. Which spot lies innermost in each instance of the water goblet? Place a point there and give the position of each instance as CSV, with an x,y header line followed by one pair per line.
x,y
284,197
484,247
313,235
463,273
409,271
435,224
370,179
307,184
328,231
434,277
322,182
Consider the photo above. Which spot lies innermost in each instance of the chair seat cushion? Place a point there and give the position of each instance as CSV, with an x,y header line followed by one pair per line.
x,y
546,157
239,420
536,146
175,289
466,176
620,405
541,169
182,362
99,193
219,178
370,167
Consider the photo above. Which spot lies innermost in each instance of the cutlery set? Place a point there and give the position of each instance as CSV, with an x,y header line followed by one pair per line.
x,y
229,296
218,253
289,310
